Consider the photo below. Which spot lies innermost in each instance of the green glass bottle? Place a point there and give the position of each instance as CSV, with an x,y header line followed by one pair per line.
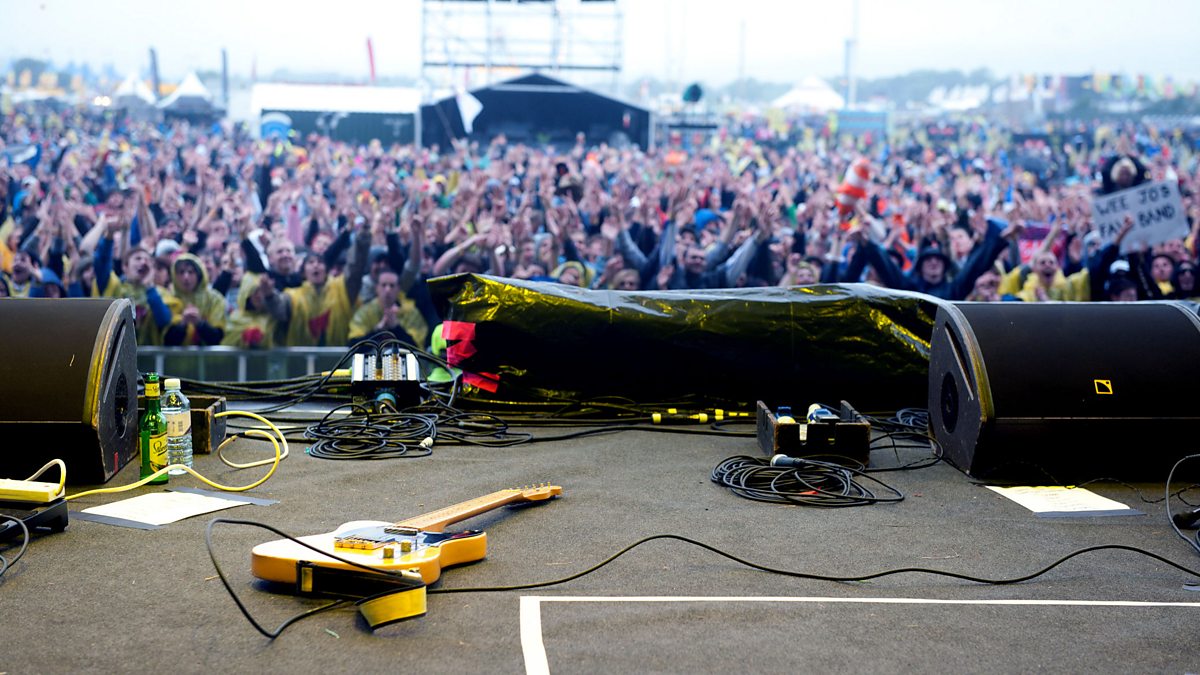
x,y
152,432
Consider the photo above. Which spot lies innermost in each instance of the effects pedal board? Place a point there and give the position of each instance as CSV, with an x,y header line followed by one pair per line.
x,y
397,374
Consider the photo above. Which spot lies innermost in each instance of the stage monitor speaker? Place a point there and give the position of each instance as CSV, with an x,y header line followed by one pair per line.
x,y
1043,392
68,387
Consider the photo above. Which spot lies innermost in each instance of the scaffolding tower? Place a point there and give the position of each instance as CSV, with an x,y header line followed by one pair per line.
x,y
469,43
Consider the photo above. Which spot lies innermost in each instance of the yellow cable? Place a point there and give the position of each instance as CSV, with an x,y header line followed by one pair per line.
x,y
256,431
62,474
279,455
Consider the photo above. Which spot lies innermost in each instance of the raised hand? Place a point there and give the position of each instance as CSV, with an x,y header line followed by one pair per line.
x,y
1013,232
190,239
614,264
663,279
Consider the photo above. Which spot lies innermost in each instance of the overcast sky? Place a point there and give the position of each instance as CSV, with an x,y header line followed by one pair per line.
x,y
678,40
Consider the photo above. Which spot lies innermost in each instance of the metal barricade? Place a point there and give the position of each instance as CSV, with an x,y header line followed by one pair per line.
x,y
231,364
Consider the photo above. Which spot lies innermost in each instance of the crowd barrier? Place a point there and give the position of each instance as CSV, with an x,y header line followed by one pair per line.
x,y
231,364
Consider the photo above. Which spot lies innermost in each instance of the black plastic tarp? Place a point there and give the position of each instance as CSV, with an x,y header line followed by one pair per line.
x,y
548,341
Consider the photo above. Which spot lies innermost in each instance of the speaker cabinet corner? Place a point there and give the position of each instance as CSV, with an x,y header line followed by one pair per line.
x,y
959,394
1064,391
68,387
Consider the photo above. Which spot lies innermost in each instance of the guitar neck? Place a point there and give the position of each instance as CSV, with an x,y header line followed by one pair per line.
x,y
436,521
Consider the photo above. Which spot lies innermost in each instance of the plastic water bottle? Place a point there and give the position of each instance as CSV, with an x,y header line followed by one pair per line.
x,y
178,411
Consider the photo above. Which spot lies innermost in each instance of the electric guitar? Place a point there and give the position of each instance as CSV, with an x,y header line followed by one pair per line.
x,y
414,544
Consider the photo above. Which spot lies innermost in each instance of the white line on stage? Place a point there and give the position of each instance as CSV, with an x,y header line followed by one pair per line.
x,y
534,649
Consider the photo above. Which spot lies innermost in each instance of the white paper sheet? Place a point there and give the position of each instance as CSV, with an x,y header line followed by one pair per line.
x,y
160,508
1050,501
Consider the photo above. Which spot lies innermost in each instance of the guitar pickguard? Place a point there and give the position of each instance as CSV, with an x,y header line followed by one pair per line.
x,y
370,538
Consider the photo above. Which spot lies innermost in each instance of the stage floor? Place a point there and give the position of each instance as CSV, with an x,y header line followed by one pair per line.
x,y
104,598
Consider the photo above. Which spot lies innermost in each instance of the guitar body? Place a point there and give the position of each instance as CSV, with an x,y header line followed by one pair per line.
x,y
414,544
431,551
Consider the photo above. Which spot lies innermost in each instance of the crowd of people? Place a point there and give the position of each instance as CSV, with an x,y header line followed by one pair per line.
x,y
221,238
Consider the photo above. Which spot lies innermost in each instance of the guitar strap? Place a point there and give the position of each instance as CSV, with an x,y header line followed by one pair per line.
x,y
381,599
387,608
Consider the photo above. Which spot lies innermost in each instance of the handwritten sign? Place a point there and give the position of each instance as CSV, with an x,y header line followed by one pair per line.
x,y
1156,209
1030,240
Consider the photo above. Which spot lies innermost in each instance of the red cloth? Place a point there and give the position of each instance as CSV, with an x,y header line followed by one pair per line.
x,y
318,324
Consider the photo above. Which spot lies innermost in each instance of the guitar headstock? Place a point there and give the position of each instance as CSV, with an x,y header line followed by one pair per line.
x,y
540,492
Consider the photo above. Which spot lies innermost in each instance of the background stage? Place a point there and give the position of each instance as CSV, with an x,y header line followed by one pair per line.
x,y
110,599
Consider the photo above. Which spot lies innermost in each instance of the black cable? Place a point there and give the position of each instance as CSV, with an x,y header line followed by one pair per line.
x,y
914,419
741,561
1194,542
238,601
823,577
290,391
553,406
556,406
652,428
470,428
313,389
365,434
5,563
911,440
251,389
379,438
909,426
379,431
555,411
300,389
811,482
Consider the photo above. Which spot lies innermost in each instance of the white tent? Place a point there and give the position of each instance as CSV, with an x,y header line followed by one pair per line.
x,y
959,98
812,95
191,97
133,91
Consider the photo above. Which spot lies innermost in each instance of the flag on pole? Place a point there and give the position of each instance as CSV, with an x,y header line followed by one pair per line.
x,y
371,58
469,107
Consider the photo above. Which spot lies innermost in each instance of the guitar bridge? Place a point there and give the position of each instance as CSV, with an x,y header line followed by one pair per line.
x,y
360,543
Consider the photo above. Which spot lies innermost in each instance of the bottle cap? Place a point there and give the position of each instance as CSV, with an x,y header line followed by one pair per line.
x,y
172,383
